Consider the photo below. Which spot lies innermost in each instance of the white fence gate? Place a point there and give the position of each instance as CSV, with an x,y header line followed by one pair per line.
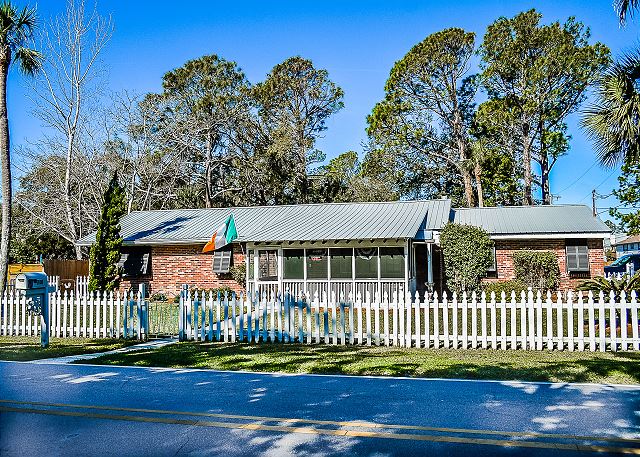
x,y
89,315
562,321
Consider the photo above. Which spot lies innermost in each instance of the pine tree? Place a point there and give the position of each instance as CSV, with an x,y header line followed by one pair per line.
x,y
105,252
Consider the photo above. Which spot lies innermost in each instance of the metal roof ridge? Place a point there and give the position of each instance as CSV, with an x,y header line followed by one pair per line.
x,y
292,205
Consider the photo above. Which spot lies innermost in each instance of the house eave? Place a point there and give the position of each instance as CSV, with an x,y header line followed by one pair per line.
x,y
549,236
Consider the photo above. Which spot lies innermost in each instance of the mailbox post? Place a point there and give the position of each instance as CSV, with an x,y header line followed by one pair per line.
x,y
35,287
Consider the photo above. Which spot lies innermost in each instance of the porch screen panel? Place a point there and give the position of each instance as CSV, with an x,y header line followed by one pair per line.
x,y
268,265
367,263
317,264
341,264
293,263
391,263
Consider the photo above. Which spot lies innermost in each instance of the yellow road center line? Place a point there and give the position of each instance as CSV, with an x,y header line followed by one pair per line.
x,y
315,431
354,424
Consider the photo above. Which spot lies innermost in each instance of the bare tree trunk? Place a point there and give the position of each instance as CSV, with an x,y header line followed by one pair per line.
x,y
67,194
544,179
468,189
478,175
526,158
5,163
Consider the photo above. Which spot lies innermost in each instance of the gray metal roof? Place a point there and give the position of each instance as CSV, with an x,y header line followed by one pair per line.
x,y
327,221
532,220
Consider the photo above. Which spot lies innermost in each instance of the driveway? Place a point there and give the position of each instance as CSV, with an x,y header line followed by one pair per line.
x,y
104,410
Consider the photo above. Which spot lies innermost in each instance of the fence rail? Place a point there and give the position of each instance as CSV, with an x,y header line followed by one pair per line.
x,y
582,322
90,315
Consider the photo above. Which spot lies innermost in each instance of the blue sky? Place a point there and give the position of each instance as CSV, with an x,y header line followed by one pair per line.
x,y
356,41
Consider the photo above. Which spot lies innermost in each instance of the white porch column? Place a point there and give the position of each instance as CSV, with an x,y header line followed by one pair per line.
x,y
430,263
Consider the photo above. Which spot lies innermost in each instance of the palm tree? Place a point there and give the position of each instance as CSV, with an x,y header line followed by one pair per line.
x,y
16,30
613,120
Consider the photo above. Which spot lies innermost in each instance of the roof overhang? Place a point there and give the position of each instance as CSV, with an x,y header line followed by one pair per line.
x,y
548,236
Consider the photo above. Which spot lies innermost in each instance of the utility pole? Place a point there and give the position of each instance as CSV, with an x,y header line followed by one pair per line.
x,y
593,202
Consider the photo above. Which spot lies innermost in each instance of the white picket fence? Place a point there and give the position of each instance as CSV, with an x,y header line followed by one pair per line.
x,y
555,322
89,315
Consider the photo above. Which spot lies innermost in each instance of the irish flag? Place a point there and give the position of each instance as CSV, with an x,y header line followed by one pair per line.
x,y
225,234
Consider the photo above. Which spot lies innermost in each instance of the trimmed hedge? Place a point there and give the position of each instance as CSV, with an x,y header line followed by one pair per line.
x,y
467,252
537,269
505,286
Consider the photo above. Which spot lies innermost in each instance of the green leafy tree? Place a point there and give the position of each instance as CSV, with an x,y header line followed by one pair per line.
x,y
15,34
628,194
467,252
205,99
428,108
294,102
538,74
105,252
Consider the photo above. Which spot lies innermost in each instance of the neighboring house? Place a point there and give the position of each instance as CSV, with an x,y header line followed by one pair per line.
x,y
345,247
627,245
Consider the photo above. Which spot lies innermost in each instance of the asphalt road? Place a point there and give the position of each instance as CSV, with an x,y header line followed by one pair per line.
x,y
78,410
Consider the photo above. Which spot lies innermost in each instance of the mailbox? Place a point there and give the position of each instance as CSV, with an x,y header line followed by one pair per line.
x,y
35,287
31,284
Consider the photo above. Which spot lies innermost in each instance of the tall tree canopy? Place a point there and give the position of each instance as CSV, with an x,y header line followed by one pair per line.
x,y
537,75
428,107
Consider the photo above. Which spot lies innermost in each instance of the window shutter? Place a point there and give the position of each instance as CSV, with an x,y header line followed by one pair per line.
x,y
145,263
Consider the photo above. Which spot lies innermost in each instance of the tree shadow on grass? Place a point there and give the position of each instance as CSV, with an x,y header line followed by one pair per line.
x,y
357,360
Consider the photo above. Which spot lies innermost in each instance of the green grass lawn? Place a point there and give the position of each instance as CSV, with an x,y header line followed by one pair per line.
x,y
23,348
622,367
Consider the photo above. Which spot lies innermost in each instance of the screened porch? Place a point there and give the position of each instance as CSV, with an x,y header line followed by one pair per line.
x,y
340,271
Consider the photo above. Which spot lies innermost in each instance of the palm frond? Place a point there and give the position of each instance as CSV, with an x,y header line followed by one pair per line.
x,y
625,9
612,122
30,60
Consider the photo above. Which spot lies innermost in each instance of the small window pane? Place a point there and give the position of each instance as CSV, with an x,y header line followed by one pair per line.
x,y
317,264
293,263
577,258
251,263
367,263
391,263
268,265
341,266
493,267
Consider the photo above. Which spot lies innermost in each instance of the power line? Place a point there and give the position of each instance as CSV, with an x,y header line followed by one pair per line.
x,y
596,188
579,178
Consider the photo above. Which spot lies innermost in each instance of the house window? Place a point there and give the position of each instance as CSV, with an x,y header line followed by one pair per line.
x,y
367,263
250,264
341,263
392,263
293,263
222,260
135,263
577,257
268,265
493,268
317,264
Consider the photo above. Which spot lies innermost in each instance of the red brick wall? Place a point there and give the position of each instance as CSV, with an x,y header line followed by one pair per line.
x,y
172,266
504,259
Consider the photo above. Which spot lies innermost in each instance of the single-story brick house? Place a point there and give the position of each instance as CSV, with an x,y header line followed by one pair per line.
x,y
345,247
